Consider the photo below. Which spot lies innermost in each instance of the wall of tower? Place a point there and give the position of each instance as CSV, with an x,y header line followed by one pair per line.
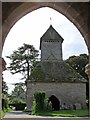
x,y
51,50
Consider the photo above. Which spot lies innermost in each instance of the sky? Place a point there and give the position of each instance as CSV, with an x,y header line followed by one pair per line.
x,y
31,27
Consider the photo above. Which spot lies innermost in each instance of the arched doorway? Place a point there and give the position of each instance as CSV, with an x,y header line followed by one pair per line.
x,y
55,102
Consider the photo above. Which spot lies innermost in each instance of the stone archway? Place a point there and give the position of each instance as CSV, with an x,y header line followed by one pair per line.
x,y
55,102
77,13
69,10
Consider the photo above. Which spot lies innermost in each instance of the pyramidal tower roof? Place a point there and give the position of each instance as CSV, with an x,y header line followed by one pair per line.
x,y
51,35
56,72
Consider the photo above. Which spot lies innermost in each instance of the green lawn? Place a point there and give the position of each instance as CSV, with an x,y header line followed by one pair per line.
x,y
4,111
66,113
2,114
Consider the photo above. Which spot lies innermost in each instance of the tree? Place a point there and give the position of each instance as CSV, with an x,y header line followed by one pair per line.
x,y
4,95
78,63
17,98
22,60
4,88
39,102
19,92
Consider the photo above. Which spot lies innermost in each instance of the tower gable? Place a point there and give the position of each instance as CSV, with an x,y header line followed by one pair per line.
x,y
51,35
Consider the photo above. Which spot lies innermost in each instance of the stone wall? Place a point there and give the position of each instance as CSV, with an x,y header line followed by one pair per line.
x,y
69,93
51,51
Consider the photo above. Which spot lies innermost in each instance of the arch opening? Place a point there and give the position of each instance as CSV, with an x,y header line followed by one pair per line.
x,y
29,31
18,18
55,102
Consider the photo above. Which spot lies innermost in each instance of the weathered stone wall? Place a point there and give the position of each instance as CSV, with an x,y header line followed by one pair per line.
x,y
51,51
69,93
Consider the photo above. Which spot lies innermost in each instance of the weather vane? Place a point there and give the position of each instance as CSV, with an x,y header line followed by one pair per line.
x,y
50,21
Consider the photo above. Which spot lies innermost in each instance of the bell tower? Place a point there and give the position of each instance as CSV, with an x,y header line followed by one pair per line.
x,y
51,45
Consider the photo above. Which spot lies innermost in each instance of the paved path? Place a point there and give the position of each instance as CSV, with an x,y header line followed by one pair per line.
x,y
19,115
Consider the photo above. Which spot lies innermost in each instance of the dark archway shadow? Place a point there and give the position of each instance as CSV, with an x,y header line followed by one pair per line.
x,y
55,102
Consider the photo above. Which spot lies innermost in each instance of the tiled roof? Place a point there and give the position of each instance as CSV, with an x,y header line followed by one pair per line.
x,y
51,35
58,72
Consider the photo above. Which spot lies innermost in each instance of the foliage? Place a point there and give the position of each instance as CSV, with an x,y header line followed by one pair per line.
x,y
4,95
37,73
5,101
5,104
2,114
19,93
4,111
34,109
4,88
39,103
18,103
16,100
78,63
22,60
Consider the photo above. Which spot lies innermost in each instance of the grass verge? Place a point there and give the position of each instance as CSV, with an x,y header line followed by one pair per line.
x,y
66,113
4,112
